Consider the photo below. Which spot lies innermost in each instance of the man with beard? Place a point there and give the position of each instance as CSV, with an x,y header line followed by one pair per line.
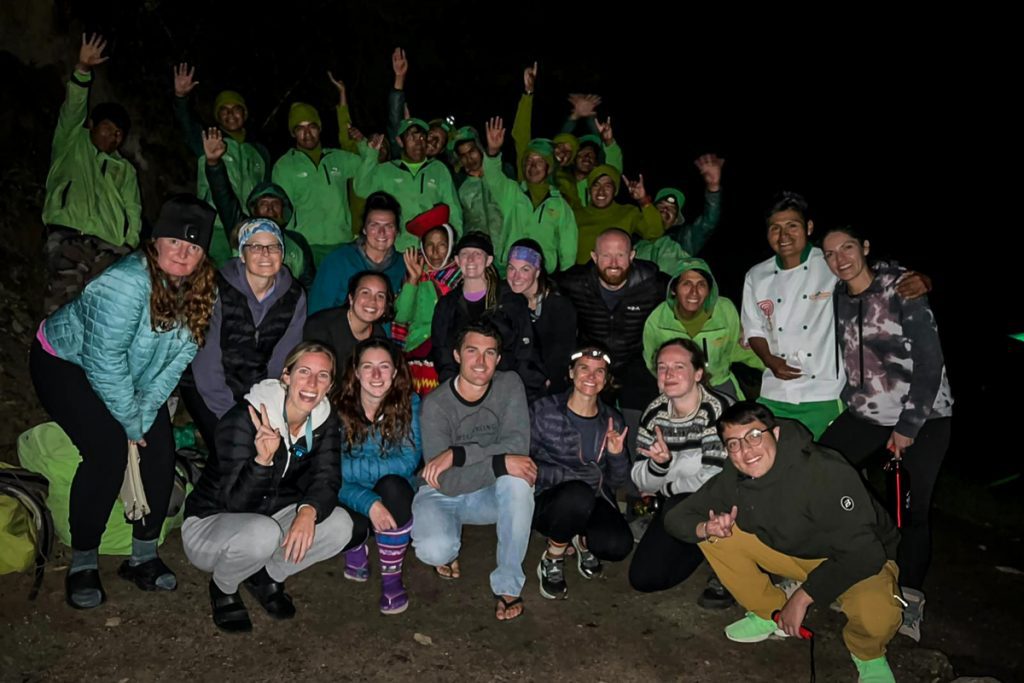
x,y
613,296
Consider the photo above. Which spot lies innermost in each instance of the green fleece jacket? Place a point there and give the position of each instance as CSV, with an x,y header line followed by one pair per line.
x,y
319,194
592,221
551,223
86,189
720,338
357,204
415,192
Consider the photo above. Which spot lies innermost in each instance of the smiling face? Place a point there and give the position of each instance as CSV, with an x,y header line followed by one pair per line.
x,y
602,192
535,168
589,376
478,358
473,262
613,255
370,300
308,381
846,256
752,459
563,153
376,373
586,160
437,140
414,144
669,212
307,134
435,247
231,117
787,235
106,136
469,156
677,378
522,277
691,293
380,229
262,255
178,258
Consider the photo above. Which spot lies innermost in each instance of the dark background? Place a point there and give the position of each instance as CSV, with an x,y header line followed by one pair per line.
x,y
860,113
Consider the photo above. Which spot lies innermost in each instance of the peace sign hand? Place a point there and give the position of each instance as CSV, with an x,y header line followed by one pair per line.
x,y
616,440
268,439
658,452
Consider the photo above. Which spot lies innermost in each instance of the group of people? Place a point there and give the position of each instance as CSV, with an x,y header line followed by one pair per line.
x,y
508,347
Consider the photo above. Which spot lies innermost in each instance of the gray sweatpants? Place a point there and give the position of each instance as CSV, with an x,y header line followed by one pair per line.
x,y
236,545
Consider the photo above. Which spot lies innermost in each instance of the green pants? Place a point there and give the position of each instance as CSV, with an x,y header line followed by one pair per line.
x,y
815,415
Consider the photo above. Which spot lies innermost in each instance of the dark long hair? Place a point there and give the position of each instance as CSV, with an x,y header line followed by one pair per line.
x,y
393,420
189,303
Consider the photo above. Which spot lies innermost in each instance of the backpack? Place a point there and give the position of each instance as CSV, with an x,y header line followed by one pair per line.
x,y
26,526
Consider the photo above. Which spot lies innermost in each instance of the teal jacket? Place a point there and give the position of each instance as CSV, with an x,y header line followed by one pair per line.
x,y
319,194
86,189
415,193
107,332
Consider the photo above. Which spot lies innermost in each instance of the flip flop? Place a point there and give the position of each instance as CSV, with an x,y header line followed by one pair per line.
x,y
506,605
450,571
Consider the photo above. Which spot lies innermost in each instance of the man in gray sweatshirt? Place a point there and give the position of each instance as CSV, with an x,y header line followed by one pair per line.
x,y
476,437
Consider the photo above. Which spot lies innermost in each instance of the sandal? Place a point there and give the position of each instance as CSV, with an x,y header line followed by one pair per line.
x,y
271,595
145,575
229,612
504,605
82,583
450,571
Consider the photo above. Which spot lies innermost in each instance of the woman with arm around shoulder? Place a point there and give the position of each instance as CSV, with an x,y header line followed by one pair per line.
x,y
379,415
266,507
896,393
103,366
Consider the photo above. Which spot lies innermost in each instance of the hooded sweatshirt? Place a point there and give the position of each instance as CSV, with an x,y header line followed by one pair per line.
x,y
480,209
692,236
895,373
720,338
592,221
414,308
332,277
250,340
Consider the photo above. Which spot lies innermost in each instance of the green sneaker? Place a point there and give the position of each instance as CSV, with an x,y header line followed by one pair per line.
x,y
752,629
874,671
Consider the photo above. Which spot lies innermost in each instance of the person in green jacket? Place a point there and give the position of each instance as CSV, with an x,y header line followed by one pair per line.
x,y
603,212
247,162
266,200
418,183
682,240
480,209
533,208
316,180
92,210
694,310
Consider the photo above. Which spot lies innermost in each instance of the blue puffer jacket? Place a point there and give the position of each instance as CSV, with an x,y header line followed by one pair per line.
x,y
368,463
107,332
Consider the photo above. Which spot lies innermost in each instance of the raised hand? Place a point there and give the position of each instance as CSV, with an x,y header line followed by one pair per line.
x,y
91,53
636,188
605,129
530,78
616,440
355,133
376,141
214,147
267,440
495,129
413,264
340,85
720,525
184,80
400,65
658,452
584,105
710,167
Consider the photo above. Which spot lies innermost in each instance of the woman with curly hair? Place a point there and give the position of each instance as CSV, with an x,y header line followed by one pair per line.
x,y
381,448
103,366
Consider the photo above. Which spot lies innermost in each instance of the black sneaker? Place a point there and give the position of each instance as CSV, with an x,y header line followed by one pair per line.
x,y
271,595
586,561
551,572
715,596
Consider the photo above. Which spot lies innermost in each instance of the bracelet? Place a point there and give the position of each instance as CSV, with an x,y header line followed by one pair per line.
x,y
705,532
710,539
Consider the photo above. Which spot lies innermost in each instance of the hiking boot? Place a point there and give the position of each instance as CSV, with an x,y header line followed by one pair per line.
x,y
587,563
752,629
551,572
715,596
873,671
913,614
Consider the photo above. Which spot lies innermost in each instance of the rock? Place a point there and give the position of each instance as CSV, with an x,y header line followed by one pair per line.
x,y
113,621
422,639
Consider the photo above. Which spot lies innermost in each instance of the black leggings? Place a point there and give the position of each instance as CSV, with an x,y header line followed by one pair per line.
x,y
662,561
571,509
396,494
67,396
862,443
204,418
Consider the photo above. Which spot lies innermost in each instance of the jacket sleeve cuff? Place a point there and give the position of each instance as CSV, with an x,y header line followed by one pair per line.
x,y
78,78
458,456
498,465
656,469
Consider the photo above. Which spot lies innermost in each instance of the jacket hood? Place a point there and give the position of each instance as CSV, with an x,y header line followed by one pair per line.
x,y
569,139
234,272
605,169
680,200
448,258
272,393
268,189
694,263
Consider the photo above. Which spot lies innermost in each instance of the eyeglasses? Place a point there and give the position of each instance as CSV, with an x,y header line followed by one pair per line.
x,y
590,353
753,438
263,248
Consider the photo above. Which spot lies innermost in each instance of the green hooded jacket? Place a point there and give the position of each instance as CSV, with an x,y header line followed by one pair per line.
x,y
720,338
88,190
592,221
551,224
415,192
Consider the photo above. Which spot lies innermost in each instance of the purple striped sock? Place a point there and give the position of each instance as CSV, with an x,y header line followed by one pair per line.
x,y
391,547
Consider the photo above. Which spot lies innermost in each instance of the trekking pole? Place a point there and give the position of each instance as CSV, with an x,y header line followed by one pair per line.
x,y
806,634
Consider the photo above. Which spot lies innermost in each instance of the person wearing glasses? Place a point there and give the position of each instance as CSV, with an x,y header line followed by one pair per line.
x,y
579,445
786,505
257,320
266,507
679,441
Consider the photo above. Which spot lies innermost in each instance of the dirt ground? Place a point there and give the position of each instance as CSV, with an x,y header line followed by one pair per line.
x,y
603,632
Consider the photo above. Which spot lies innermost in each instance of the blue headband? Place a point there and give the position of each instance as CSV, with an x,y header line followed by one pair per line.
x,y
525,254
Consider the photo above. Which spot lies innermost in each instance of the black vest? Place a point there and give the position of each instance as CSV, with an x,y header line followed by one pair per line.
x,y
245,348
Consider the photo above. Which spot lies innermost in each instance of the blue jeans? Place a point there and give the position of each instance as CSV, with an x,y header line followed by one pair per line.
x,y
438,519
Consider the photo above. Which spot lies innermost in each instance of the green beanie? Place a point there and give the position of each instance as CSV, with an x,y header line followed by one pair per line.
x,y
569,139
299,112
227,98
673,195
544,148
605,169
